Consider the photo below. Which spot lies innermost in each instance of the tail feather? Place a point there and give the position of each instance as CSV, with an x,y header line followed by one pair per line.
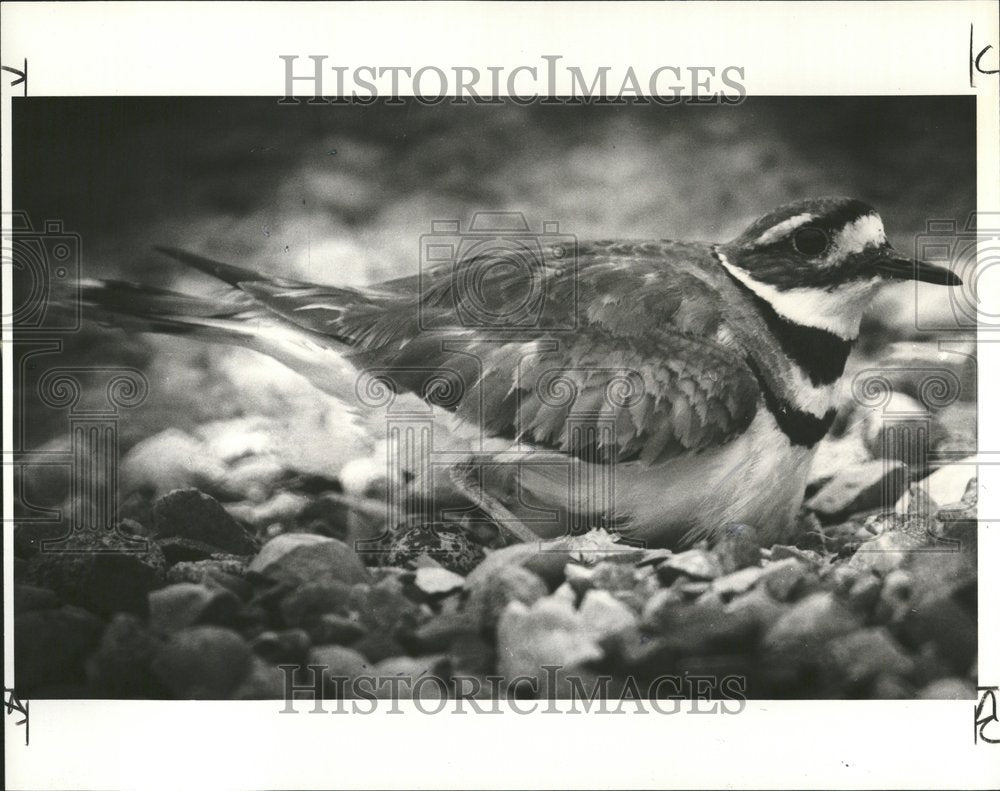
x,y
138,308
236,319
233,275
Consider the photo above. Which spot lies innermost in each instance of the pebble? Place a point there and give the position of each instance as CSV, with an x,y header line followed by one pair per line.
x,y
471,655
202,571
169,460
889,687
783,551
610,575
859,487
438,581
654,557
326,516
654,611
203,662
806,627
895,597
214,573
190,513
339,629
944,568
408,678
879,434
298,558
706,626
187,604
948,689
385,608
545,559
264,681
251,478
886,552
605,575
548,632
105,576
864,593
602,615
691,589
338,662
738,548
177,549
304,605
862,655
120,667
29,597
590,548
283,507
832,454
760,607
50,646
698,564
911,367
440,632
377,646
289,646
489,596
948,626
944,486
785,578
840,578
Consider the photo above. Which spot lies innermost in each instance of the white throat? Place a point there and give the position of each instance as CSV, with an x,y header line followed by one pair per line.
x,y
838,310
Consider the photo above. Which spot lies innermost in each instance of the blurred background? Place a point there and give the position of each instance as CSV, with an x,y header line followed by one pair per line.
x,y
342,194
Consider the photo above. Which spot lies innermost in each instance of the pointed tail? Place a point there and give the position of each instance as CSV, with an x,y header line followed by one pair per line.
x,y
138,308
234,319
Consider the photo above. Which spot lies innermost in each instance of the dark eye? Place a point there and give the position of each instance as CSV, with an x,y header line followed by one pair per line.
x,y
810,241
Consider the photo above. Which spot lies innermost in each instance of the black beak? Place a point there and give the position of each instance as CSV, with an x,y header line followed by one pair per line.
x,y
893,266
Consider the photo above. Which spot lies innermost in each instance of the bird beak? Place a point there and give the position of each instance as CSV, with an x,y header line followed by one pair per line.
x,y
894,266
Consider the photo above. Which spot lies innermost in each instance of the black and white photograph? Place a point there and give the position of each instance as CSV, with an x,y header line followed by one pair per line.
x,y
441,390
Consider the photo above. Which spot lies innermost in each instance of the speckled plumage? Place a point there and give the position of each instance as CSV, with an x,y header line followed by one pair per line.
x,y
684,370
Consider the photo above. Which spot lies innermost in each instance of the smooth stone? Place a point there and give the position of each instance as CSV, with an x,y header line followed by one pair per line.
x,y
299,558
203,662
190,513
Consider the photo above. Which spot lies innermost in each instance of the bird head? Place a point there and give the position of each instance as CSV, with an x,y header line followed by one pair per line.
x,y
819,261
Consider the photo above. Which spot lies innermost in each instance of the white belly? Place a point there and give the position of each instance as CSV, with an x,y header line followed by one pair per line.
x,y
757,479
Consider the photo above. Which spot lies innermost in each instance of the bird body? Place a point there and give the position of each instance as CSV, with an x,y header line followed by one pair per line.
x,y
661,388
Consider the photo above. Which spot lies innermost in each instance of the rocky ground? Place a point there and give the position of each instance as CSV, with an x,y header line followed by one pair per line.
x,y
244,491
250,564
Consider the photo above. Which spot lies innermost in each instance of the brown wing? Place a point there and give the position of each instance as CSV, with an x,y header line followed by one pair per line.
x,y
620,357
610,351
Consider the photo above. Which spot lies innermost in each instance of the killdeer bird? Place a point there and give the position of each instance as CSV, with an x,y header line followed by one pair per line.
x,y
664,388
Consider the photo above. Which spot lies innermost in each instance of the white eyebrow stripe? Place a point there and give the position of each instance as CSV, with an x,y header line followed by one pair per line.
x,y
784,228
864,232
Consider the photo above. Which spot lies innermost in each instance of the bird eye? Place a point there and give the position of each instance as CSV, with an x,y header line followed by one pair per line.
x,y
810,241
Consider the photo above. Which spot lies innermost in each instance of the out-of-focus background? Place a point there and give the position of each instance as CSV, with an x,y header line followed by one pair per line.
x,y
342,194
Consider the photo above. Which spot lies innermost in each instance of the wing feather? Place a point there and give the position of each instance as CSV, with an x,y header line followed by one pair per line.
x,y
647,323
624,346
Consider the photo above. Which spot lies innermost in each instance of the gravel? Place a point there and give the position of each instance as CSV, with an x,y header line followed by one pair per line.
x,y
186,617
